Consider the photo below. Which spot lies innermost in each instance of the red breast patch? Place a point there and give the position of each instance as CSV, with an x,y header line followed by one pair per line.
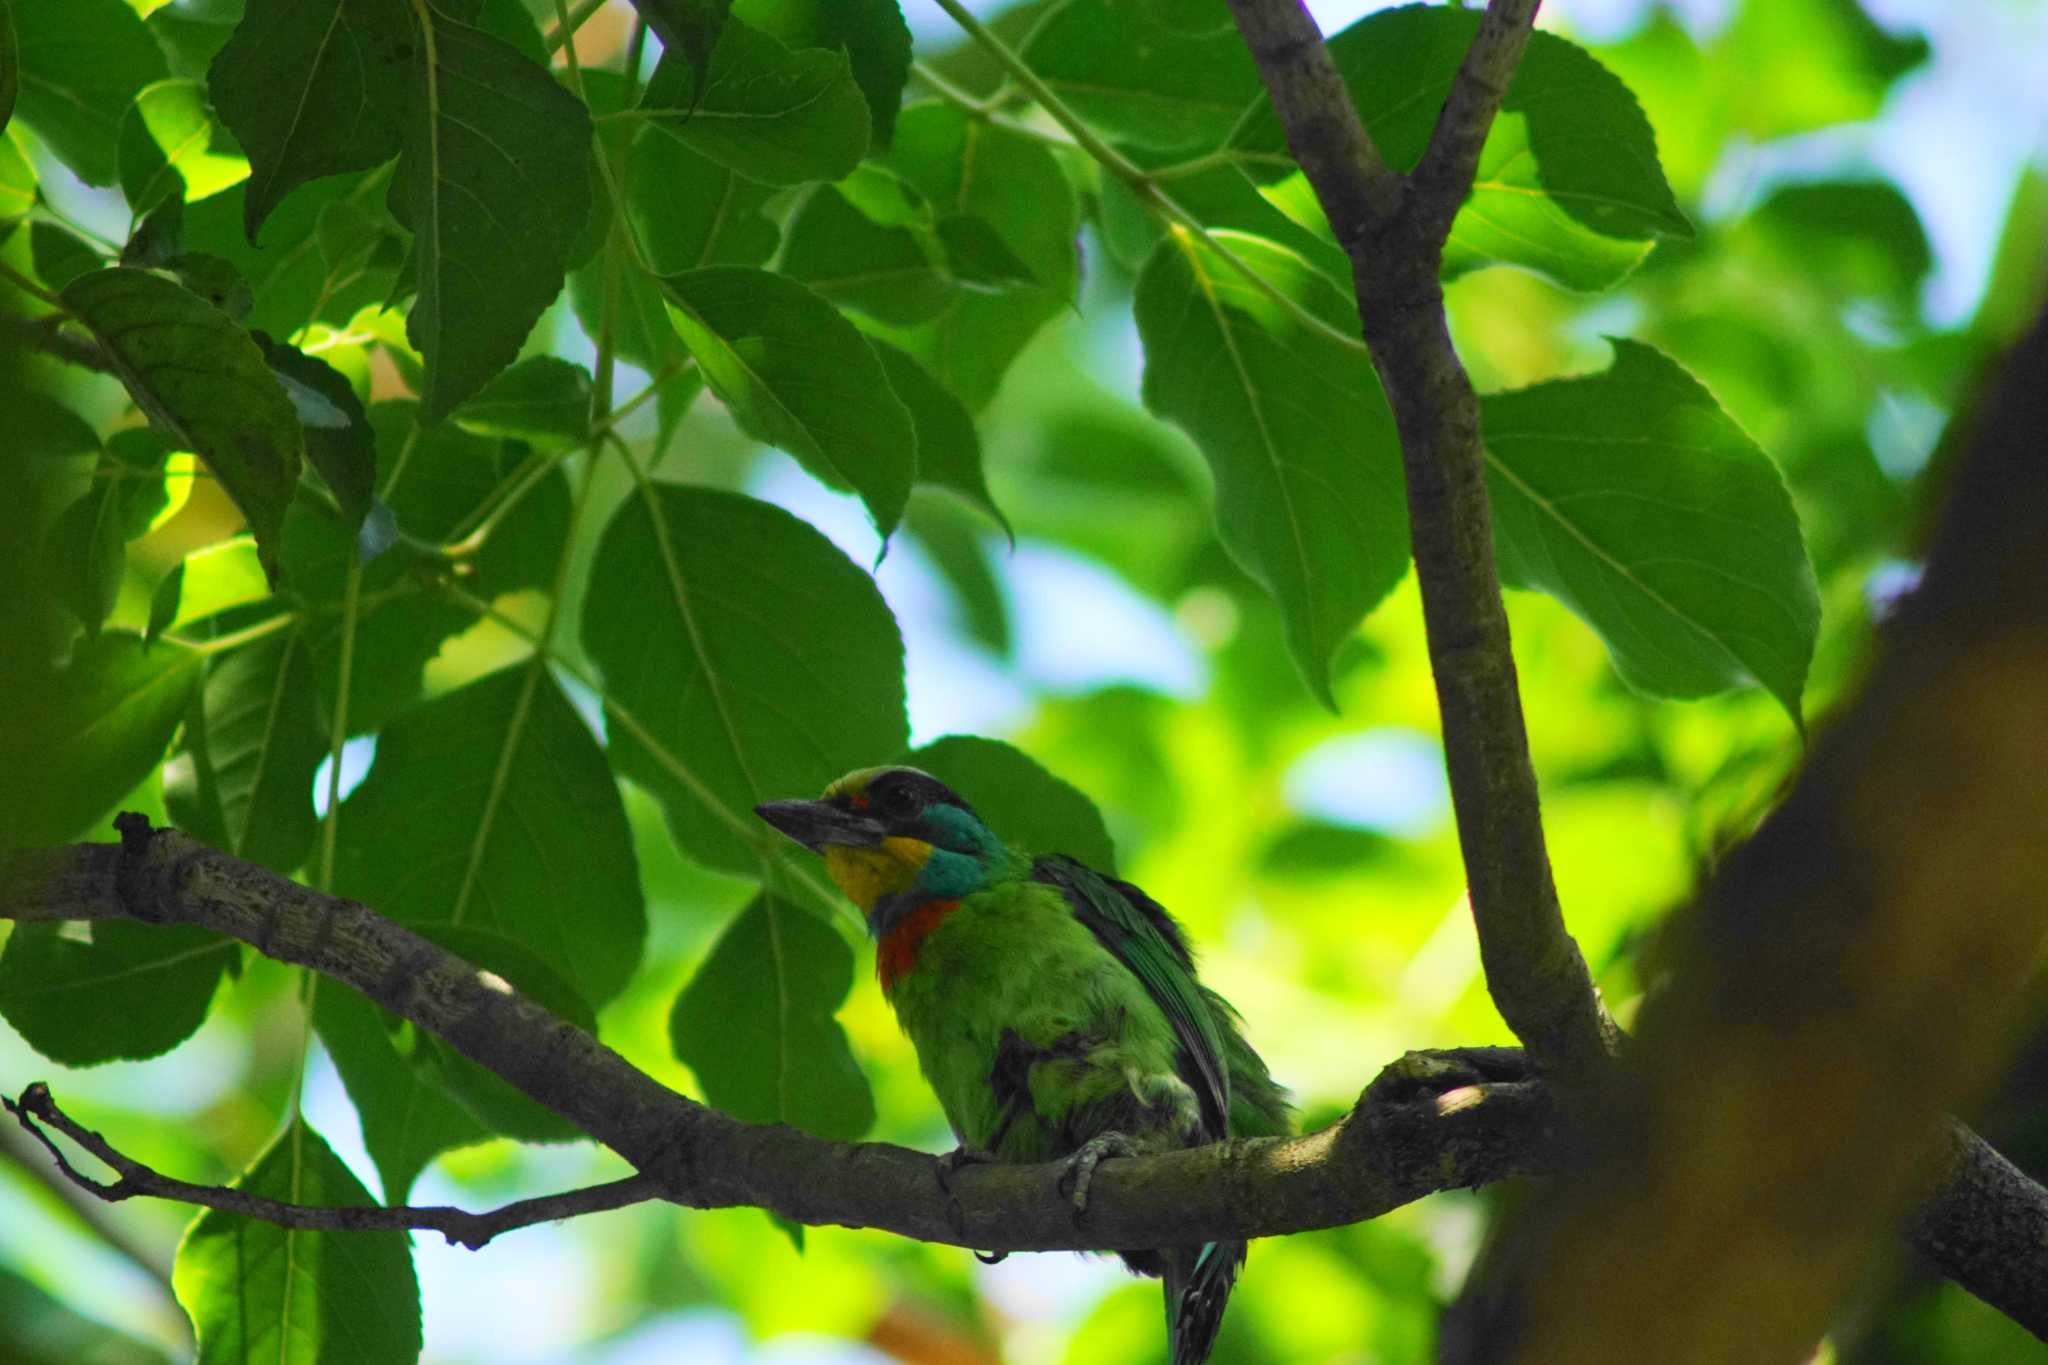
x,y
896,954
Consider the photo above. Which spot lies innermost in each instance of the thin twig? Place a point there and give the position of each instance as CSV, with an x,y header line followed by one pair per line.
x,y
37,1107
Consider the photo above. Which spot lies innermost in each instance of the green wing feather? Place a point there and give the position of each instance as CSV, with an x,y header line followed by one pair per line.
x,y
1146,939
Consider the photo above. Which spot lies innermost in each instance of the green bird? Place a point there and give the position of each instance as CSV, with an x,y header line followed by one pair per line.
x,y
1054,1009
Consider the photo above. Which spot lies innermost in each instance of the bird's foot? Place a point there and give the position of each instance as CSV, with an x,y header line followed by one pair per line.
x,y
950,1165
1080,1172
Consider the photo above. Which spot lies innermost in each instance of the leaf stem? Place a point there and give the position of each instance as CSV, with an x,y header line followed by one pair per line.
x,y
567,27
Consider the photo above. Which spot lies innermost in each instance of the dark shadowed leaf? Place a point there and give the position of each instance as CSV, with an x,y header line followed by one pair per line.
x,y
339,441
252,744
10,64
885,272
136,990
692,211
82,737
84,554
948,446
492,808
60,256
691,27
1031,809
774,115
287,274
755,1024
798,376
1308,475
204,383
544,399
82,63
313,89
495,185
256,1291
1632,498
877,43
759,676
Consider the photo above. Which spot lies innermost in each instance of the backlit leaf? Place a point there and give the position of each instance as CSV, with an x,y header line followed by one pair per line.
x,y
754,676
493,808
1309,496
256,1291
755,1024
1635,500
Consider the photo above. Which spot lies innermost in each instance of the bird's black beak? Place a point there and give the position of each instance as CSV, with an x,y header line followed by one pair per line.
x,y
815,824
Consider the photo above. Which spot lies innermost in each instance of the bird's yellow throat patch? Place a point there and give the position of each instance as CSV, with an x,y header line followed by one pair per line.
x,y
868,874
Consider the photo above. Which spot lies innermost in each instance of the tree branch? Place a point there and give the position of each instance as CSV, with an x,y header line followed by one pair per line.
x,y
1393,228
1432,1121
36,1106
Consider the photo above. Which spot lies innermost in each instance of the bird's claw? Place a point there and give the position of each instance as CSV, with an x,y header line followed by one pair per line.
x,y
1080,1172
950,1165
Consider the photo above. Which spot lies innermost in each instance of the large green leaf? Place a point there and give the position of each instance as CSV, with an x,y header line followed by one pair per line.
x,y
1143,82
1568,183
308,88
798,376
775,116
256,1291
136,990
82,63
204,383
969,166
493,808
1292,421
252,744
495,185
758,675
692,211
1033,811
544,399
1632,498
877,44
755,1024
80,738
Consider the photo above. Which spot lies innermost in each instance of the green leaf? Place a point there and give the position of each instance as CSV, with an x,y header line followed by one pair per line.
x,y
60,256
954,544
339,441
170,144
10,66
978,255
91,732
692,211
202,380
495,185
1780,69
256,1291
1030,808
877,44
969,166
493,808
82,63
948,446
44,1330
884,272
136,990
252,745
17,179
85,554
210,580
544,399
691,27
1568,183
798,376
775,116
755,1024
1139,81
1861,239
1309,496
407,1119
291,282
759,676
1631,497
642,332
307,89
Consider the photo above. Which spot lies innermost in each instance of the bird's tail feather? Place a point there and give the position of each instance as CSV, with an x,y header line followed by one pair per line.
x,y
1198,1285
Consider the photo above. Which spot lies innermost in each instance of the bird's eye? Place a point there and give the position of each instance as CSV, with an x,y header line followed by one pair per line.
x,y
900,803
